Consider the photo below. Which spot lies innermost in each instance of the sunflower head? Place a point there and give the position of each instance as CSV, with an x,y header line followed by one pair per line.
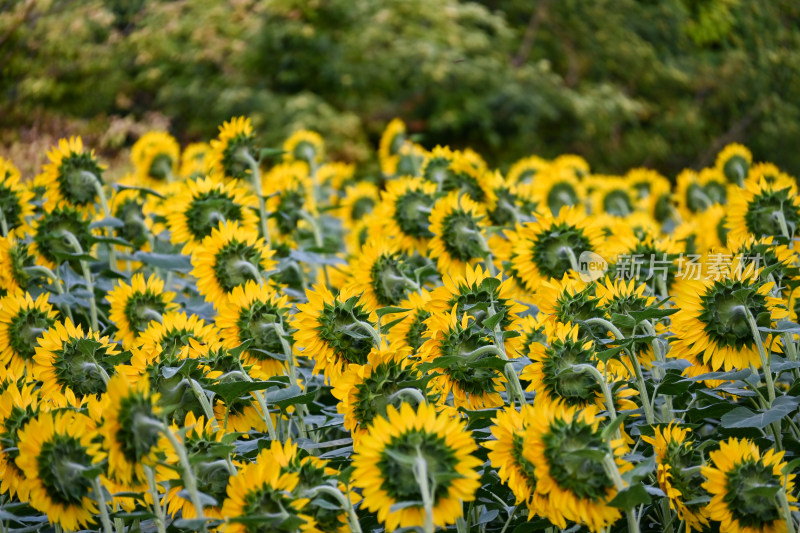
x,y
23,321
18,406
194,160
526,170
409,332
613,196
304,145
290,192
458,226
436,166
359,200
405,210
229,151
16,200
393,138
734,163
57,232
155,155
134,306
382,273
73,174
15,255
557,187
764,209
387,466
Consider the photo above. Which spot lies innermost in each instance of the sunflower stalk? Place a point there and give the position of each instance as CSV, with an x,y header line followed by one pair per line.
x,y
203,399
97,489
101,194
781,220
255,180
344,501
601,380
3,223
410,392
261,398
786,510
318,242
287,351
246,267
487,252
667,412
87,276
421,474
187,474
509,371
56,281
613,473
157,509
570,254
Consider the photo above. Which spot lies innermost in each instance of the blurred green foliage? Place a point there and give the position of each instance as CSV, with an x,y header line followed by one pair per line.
x,y
662,83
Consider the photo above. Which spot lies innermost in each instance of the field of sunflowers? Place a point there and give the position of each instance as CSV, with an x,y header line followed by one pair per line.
x,y
241,338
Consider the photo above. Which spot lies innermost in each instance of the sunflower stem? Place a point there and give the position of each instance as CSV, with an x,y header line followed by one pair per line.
x,y
262,402
203,399
101,194
421,474
573,261
344,501
87,276
54,279
409,391
762,353
97,488
786,510
318,241
612,471
246,267
255,180
157,509
667,515
287,351
781,219
580,369
3,223
187,474
510,516
667,412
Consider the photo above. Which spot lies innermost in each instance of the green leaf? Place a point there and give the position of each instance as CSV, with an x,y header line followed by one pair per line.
x,y
491,322
232,390
304,399
145,190
630,497
176,262
492,362
270,152
612,426
652,313
390,310
108,222
742,417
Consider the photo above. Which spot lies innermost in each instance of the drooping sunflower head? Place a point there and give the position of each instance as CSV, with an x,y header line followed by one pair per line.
x,y
55,450
508,203
675,455
256,313
229,151
743,483
15,199
393,138
576,484
717,317
619,296
613,195
526,170
764,209
73,175
453,342
137,228
409,332
405,211
156,156
359,200
167,337
577,165
463,177
228,258
194,160
134,306
15,255
71,364
436,166
734,162
205,204
59,232
552,245
131,428
385,459
557,187
306,146
647,258
18,406
767,254
290,199
334,331
570,299
771,174
696,192
335,175
458,225
23,321
382,274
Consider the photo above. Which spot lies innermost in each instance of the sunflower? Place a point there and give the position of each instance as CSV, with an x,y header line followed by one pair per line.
x,y
127,205
256,313
619,297
647,257
67,360
203,442
174,332
410,159
15,255
386,468
130,428
478,294
694,234
696,192
359,200
675,454
409,332
576,485
155,155
73,175
436,165
235,136
381,274
306,146
261,490
335,174
454,343
18,406
333,330
734,163
50,234
203,205
506,202
134,306
764,252
290,200
552,375
16,201
228,258
55,451
569,300
551,246
771,174
526,170
557,187
242,414
764,209
23,320
743,483
393,137
463,177
404,212
365,391
506,455
712,325
194,160
612,195
458,225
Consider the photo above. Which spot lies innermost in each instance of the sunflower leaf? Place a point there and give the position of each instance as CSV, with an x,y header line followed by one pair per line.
x,y
176,262
742,417
236,389
630,497
383,311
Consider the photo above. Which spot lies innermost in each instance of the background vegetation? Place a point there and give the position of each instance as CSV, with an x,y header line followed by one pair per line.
x,y
662,83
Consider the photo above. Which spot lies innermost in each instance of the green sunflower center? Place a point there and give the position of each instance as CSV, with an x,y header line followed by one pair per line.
x,y
549,251
461,181
561,195
62,462
372,394
680,457
412,209
142,308
396,466
618,203
437,170
10,207
207,210
20,258
338,328
750,494
390,276
724,313
25,329
461,236
258,323
75,185
736,169
761,219
662,210
572,469
561,381
49,235
235,264
80,364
